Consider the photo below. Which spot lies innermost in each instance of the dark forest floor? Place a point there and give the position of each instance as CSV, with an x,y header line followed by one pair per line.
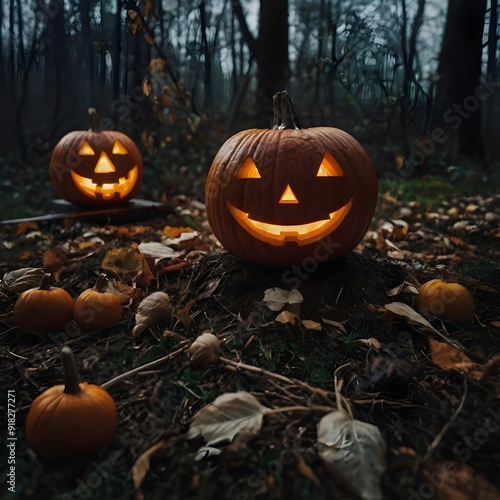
x,y
439,416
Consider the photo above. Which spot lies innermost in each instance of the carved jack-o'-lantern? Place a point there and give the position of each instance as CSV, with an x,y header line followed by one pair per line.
x,y
96,167
280,196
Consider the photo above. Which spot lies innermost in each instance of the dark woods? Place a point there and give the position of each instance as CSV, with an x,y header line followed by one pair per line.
x,y
415,82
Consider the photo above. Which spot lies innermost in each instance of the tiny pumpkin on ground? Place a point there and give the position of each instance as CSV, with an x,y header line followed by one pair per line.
x,y
96,308
70,420
446,301
43,309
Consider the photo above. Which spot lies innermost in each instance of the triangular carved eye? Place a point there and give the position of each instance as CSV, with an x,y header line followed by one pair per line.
x,y
248,170
86,149
329,167
119,148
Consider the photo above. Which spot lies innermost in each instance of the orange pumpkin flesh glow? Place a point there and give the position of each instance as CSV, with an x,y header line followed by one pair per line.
x,y
96,167
279,196
70,420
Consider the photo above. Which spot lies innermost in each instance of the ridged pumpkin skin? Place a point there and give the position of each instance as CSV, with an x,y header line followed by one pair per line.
x,y
446,301
78,422
289,159
96,309
83,157
66,425
43,309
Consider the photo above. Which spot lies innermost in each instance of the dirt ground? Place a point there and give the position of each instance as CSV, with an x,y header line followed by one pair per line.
x,y
432,388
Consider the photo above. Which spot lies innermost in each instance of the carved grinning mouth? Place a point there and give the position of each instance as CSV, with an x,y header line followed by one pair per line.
x,y
279,234
108,190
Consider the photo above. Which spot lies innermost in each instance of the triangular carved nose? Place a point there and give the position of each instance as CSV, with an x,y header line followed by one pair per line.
x,y
288,196
104,165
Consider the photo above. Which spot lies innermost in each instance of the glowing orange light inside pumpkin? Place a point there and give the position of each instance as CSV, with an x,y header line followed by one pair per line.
x,y
108,190
288,196
302,234
279,234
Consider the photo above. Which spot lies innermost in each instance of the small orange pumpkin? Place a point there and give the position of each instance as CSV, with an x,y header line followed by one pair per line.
x,y
446,301
73,419
96,309
289,195
43,309
97,167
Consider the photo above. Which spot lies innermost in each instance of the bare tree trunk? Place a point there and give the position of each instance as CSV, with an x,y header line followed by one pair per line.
x,y
409,52
117,51
207,75
12,56
493,41
272,54
460,72
104,45
22,98
88,45
20,41
2,58
270,51
58,64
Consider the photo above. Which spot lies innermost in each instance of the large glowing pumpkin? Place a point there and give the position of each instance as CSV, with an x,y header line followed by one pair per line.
x,y
96,167
287,195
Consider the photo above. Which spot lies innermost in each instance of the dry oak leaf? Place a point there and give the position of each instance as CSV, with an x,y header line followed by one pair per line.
x,y
125,262
458,481
448,358
141,466
20,280
227,415
153,309
405,311
353,452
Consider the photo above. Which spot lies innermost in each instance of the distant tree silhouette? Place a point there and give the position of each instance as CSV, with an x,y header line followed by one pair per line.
x,y
457,106
270,48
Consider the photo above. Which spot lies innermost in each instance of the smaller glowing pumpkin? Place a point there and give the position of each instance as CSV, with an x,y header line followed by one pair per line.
x,y
96,167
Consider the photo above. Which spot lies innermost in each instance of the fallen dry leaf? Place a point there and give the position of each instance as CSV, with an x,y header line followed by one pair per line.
x,y
458,481
353,452
183,314
20,280
405,287
275,298
311,325
227,415
127,263
158,251
448,358
141,465
153,309
404,310
286,317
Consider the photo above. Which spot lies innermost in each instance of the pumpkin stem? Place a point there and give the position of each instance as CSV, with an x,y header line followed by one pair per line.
x,y
285,115
71,381
45,281
101,283
95,120
445,275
